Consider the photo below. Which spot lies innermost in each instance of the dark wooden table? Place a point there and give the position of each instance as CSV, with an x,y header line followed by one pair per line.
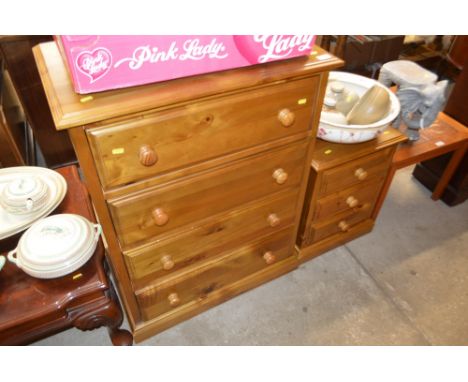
x,y
443,136
32,309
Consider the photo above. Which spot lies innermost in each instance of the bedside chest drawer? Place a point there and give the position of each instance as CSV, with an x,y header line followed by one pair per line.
x,y
353,198
198,284
184,203
340,224
355,172
129,151
209,239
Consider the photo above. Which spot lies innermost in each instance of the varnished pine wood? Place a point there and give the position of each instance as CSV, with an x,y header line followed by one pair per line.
x,y
310,251
83,153
203,167
212,181
197,284
173,299
167,262
147,155
340,222
219,233
287,117
310,151
269,257
344,185
196,198
354,197
344,176
68,111
160,217
280,175
361,174
329,155
198,132
343,225
173,317
273,220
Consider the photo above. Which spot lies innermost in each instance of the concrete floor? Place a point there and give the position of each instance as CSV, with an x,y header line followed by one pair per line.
x,y
405,283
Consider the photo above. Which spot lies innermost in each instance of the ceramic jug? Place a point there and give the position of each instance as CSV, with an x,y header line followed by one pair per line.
x,y
345,98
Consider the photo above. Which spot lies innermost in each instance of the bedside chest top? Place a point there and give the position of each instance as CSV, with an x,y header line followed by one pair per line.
x,y
69,110
327,154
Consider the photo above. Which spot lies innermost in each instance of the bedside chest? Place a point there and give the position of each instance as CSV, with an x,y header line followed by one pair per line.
x,y
344,184
198,182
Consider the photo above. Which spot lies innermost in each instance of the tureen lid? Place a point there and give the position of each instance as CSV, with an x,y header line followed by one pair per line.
x,y
23,188
19,213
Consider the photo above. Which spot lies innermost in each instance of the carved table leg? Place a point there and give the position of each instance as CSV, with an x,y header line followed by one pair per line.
x,y
119,337
105,311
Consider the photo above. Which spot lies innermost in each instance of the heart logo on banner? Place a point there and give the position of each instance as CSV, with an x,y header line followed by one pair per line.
x,y
95,64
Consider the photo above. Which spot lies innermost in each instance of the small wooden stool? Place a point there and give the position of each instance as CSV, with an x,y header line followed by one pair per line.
x,y
443,136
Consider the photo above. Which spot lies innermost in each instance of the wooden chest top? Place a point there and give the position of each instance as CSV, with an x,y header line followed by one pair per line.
x,y
70,109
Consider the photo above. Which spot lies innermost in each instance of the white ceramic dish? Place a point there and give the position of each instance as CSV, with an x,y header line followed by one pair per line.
x,y
24,195
56,246
341,133
11,224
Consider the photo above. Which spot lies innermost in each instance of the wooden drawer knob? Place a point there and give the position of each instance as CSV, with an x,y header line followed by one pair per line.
x,y
269,257
167,262
360,173
174,299
343,225
273,220
286,117
160,217
280,176
148,156
352,202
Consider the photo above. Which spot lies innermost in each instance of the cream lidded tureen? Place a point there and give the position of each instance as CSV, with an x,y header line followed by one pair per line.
x,y
56,246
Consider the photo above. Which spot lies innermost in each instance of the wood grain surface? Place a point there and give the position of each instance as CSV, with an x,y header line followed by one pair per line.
x,y
198,132
195,198
198,182
210,238
196,285
348,174
344,185
68,111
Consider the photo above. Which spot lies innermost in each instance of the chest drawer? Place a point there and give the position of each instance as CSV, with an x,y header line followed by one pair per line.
x,y
130,151
355,198
194,286
355,172
184,203
209,239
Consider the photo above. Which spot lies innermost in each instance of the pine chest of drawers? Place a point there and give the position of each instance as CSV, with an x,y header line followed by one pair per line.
x,y
198,182
345,182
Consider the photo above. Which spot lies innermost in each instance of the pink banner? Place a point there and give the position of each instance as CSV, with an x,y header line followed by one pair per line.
x,y
99,63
